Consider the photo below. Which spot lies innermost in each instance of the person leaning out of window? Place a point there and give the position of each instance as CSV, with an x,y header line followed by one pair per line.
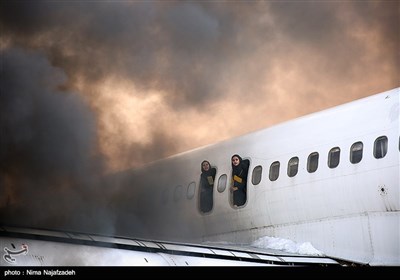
x,y
239,180
206,185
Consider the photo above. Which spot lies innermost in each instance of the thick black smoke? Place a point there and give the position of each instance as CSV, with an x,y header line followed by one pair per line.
x,y
48,159
159,45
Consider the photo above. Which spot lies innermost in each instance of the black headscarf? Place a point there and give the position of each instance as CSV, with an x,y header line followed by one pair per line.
x,y
210,172
241,166
202,170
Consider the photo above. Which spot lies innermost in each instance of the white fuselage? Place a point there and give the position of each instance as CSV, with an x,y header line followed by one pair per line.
x,y
350,211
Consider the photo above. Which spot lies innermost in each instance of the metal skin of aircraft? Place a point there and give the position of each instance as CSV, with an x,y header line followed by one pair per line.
x,y
330,178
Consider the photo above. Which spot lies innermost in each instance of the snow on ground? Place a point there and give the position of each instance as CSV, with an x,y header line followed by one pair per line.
x,y
286,245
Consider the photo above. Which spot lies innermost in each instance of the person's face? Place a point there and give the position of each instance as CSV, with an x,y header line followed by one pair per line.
x,y
235,161
206,166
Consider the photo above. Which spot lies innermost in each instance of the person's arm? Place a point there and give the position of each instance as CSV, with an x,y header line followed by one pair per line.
x,y
237,182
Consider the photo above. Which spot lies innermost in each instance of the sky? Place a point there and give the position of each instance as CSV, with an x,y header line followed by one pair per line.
x,y
89,88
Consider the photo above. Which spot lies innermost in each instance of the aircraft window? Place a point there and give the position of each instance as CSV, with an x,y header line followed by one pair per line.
x,y
334,157
257,174
222,183
380,147
178,193
191,189
356,152
312,163
274,171
293,166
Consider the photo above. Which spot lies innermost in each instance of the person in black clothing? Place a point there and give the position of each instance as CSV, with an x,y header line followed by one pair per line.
x,y
206,186
239,180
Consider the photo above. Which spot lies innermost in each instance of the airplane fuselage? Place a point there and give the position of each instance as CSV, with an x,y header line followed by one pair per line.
x,y
330,178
